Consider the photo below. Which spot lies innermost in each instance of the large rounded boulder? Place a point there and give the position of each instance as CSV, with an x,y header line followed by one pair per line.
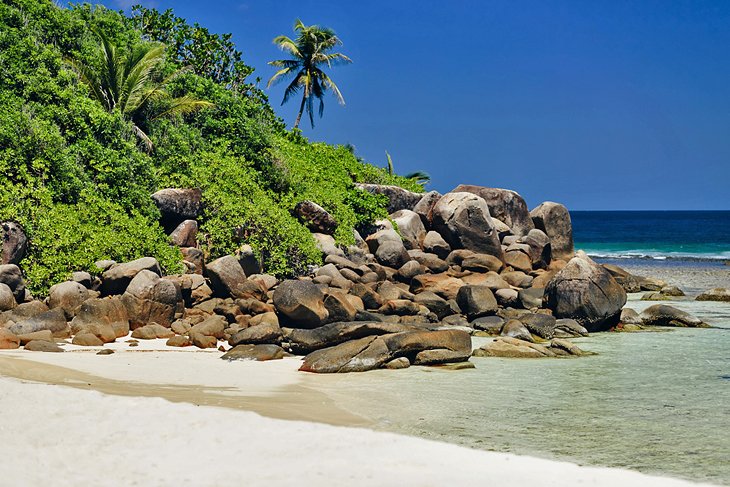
x,y
554,219
587,293
300,304
505,205
463,220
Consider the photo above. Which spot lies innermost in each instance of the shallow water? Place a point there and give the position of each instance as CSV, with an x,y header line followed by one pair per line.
x,y
658,402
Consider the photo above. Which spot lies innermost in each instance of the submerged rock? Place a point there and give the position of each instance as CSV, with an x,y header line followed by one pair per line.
x,y
717,294
663,315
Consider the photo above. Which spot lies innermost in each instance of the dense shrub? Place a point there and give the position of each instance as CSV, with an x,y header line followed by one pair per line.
x,y
76,178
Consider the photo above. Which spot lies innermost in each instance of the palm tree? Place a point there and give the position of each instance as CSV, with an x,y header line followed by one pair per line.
x,y
125,83
309,52
420,177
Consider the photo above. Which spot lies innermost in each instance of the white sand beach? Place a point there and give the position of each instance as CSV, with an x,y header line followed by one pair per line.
x,y
186,418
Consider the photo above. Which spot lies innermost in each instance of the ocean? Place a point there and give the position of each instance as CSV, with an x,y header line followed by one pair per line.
x,y
657,402
658,235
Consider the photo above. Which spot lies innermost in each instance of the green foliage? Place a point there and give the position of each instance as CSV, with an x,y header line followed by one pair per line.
x,y
73,175
212,56
309,54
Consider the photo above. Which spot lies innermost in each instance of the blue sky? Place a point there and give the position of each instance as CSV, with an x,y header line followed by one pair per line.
x,y
599,105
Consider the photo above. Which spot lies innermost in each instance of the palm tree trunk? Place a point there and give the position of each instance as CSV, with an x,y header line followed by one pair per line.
x,y
301,110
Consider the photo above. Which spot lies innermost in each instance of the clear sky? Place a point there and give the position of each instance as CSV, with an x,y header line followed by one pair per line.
x,y
607,104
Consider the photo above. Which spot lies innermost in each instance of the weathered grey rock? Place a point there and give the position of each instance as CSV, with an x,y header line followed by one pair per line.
x,y
96,313
225,275
515,329
305,341
178,204
83,278
354,356
504,205
339,307
476,301
46,335
651,284
185,234
152,331
7,300
554,219
314,217
15,243
250,263
53,320
425,205
399,307
587,293
435,303
116,279
267,332
717,294
409,270
518,260
663,315
203,341
258,353
151,299
434,243
42,346
442,284
370,298
392,254
481,263
571,327
397,363
512,348
531,297
67,296
539,324
86,339
491,324
326,244
11,276
672,291
630,317
300,303
372,352
398,198
410,228
213,326
508,298
179,341
540,249
463,220
432,262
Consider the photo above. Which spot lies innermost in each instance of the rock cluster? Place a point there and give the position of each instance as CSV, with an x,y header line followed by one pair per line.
x,y
474,261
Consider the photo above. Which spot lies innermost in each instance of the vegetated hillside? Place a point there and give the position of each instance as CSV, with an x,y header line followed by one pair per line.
x,y
78,178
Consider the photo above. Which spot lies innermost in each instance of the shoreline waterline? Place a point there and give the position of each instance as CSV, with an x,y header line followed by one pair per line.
x,y
357,455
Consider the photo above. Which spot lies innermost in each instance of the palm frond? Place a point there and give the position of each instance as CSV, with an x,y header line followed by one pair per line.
x,y
279,76
182,106
390,163
421,177
331,85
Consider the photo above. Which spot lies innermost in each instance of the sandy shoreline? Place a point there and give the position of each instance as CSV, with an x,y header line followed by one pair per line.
x,y
142,414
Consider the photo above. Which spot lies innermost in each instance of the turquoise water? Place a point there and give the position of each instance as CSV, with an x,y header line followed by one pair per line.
x,y
653,234
654,402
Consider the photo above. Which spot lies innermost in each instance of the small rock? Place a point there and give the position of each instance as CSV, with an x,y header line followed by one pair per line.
x,y
87,340
258,353
42,346
106,351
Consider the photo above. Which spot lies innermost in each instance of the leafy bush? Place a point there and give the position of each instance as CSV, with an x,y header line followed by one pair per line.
x,y
74,176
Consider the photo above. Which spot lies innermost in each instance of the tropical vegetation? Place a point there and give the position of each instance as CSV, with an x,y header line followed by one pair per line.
x,y
74,175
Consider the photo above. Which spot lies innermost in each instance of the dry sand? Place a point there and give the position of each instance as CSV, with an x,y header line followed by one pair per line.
x,y
155,423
